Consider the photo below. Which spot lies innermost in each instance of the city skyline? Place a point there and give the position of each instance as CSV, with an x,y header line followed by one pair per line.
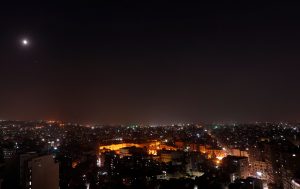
x,y
212,156
152,95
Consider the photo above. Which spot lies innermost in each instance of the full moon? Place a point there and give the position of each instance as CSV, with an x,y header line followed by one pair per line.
x,y
25,42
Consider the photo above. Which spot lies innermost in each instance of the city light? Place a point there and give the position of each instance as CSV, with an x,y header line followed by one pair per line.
x,y
150,95
259,173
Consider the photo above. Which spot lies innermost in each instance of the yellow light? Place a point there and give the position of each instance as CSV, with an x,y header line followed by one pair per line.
x,y
152,147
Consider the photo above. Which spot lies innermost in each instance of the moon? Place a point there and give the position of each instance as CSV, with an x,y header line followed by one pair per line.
x,y
25,42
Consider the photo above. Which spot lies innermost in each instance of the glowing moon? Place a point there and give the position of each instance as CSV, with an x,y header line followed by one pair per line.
x,y
25,42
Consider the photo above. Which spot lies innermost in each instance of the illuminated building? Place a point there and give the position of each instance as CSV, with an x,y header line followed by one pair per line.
x,y
193,147
125,152
179,145
130,151
42,173
192,163
152,147
117,147
109,160
24,158
238,167
238,152
170,156
210,152
259,169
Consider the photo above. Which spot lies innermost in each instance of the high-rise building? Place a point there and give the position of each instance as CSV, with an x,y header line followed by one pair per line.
x,y
24,158
259,169
8,153
237,166
41,172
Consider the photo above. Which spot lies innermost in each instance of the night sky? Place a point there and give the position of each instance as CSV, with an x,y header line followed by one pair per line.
x,y
159,62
